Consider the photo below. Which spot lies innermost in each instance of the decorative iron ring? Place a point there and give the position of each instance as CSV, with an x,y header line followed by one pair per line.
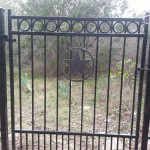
x,y
127,27
28,22
93,30
123,29
33,25
109,27
51,30
60,25
74,25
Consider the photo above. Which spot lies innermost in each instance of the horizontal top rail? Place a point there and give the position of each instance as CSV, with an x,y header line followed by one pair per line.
x,y
61,25
75,18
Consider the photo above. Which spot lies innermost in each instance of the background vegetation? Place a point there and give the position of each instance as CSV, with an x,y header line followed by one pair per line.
x,y
71,8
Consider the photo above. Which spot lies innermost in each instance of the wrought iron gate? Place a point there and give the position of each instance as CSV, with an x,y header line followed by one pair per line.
x,y
72,109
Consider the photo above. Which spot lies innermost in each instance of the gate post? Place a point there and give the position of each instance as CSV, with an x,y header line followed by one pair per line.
x,y
146,117
146,108
3,89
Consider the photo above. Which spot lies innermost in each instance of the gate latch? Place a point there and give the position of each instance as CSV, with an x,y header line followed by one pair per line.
x,y
7,39
143,69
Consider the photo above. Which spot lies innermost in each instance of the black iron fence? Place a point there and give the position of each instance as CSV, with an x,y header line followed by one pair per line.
x,y
74,103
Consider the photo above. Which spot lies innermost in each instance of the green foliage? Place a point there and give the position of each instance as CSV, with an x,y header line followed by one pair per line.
x,y
74,8
63,90
65,8
26,82
129,66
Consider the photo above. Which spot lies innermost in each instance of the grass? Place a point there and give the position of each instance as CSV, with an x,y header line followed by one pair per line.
x,y
80,103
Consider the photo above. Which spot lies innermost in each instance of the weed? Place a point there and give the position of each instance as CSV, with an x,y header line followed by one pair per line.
x,y
26,82
129,66
63,90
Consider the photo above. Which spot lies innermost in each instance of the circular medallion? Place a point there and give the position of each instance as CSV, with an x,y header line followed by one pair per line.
x,y
77,64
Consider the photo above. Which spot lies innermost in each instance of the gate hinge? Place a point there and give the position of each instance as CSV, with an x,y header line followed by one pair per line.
x,y
143,69
146,19
7,39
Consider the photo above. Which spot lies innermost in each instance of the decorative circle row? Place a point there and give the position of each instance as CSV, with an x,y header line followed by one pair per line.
x,y
78,26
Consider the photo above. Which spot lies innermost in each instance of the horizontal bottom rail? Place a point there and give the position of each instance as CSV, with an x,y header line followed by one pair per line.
x,y
75,133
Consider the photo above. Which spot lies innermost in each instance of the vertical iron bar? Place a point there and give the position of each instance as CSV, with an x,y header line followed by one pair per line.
x,y
99,143
20,89
38,141
141,84
74,142
32,76
124,143
111,143
70,85
82,113
82,105
86,142
57,88
146,120
44,87
121,87
63,142
26,141
50,142
95,88
134,90
44,90
11,64
3,86
57,97
82,98
108,81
